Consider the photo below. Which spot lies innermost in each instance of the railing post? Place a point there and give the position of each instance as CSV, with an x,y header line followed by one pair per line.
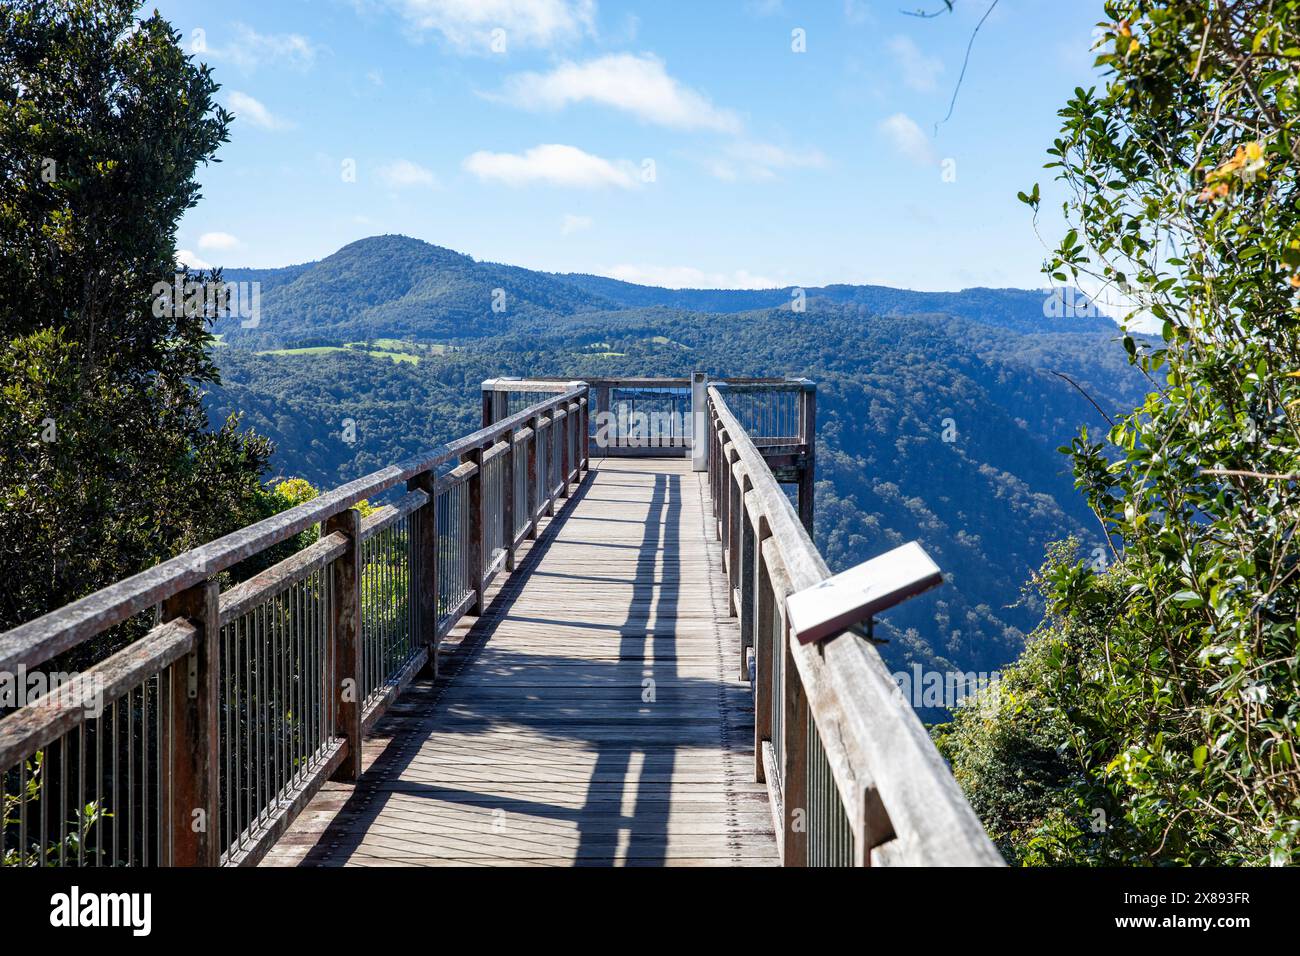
x,y
734,520
346,629
724,502
424,573
551,428
535,423
764,622
474,491
808,437
714,458
508,499
699,421
875,826
585,436
794,769
563,439
193,732
603,424
719,466
746,569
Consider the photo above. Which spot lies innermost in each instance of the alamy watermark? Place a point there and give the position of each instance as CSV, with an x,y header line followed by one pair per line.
x,y
24,688
632,428
931,688
186,296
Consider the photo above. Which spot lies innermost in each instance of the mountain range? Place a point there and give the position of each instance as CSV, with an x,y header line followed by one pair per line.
x,y
395,287
939,413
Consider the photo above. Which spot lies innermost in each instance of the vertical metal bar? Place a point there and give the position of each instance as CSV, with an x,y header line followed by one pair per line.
x,y
115,766
130,778
146,812
22,812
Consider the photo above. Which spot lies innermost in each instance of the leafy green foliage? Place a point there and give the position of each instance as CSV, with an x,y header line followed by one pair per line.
x,y
108,465
26,803
1176,667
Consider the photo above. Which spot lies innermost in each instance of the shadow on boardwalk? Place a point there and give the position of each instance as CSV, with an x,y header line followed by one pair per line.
x,y
584,717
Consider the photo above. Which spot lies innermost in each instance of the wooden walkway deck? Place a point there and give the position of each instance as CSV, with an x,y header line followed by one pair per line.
x,y
591,716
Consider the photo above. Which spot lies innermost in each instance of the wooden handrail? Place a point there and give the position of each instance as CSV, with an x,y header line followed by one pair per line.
x,y
839,713
285,661
35,642
902,803
33,727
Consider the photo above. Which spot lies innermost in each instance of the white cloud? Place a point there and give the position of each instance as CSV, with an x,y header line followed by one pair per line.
x,y
218,241
571,224
920,72
468,24
639,85
857,12
760,161
188,259
554,164
689,277
250,49
404,174
246,108
908,139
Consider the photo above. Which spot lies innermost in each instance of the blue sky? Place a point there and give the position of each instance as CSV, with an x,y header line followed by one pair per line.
x,y
672,143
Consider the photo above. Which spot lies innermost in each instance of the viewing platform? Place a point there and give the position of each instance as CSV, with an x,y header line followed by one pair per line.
x,y
562,641
591,715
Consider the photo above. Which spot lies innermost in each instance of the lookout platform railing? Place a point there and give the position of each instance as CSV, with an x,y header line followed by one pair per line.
x,y
199,742
853,777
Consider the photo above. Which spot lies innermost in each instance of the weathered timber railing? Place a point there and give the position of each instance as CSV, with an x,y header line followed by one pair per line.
x,y
853,777
199,743
654,417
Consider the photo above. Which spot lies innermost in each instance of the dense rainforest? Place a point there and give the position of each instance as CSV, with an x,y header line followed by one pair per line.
x,y
932,427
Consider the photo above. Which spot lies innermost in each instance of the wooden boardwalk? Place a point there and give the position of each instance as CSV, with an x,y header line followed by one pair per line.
x,y
591,716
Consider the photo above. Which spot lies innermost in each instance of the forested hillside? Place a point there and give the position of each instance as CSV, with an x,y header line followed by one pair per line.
x,y
1018,309
986,502
392,286
396,287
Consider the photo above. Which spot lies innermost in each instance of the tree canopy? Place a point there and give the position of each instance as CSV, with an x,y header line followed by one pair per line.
x,y
108,464
1168,675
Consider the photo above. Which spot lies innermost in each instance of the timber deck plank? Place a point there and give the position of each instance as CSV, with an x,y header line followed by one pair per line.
x,y
590,716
